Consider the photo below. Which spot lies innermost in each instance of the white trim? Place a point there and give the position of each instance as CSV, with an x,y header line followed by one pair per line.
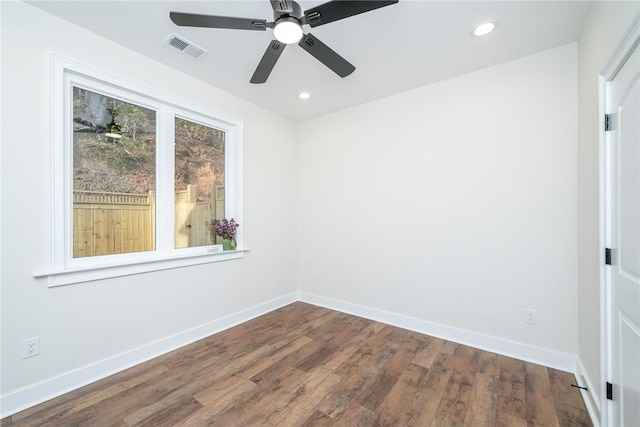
x,y
603,243
590,399
63,269
32,395
29,396
629,41
58,60
529,353
89,274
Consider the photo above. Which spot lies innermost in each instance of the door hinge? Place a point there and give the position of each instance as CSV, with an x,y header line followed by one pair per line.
x,y
607,122
607,256
609,391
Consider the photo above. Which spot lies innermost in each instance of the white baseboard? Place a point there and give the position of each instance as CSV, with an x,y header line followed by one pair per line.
x,y
589,396
32,395
529,353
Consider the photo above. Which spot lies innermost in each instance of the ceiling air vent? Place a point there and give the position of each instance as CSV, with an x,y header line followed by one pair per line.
x,y
186,46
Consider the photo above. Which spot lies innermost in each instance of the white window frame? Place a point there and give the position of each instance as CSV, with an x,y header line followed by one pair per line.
x,y
64,269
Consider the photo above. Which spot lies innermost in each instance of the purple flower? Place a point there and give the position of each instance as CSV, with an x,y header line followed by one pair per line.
x,y
225,228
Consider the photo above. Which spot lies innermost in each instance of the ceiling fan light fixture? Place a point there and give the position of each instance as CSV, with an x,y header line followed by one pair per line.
x,y
288,19
288,30
484,29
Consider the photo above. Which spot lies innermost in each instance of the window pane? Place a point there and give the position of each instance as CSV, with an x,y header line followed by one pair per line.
x,y
114,176
199,182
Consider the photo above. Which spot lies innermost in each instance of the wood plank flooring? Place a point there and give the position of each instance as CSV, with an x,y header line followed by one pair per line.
x,y
304,365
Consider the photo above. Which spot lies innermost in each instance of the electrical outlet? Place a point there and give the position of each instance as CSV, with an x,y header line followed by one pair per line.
x,y
316,278
531,317
30,347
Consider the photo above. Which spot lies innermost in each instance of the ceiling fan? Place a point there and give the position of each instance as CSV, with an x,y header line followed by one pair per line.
x,y
288,20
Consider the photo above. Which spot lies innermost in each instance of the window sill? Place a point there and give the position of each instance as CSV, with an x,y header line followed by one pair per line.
x,y
88,274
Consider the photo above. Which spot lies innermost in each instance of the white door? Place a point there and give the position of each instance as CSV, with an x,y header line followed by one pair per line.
x,y
623,94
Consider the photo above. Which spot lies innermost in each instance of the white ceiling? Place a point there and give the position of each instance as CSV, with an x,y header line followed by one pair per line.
x,y
394,49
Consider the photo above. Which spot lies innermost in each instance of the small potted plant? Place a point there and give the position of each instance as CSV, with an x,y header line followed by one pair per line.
x,y
226,229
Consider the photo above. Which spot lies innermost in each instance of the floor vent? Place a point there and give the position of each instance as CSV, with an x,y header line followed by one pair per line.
x,y
186,46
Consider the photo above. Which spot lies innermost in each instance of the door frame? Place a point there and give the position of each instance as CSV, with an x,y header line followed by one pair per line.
x,y
629,42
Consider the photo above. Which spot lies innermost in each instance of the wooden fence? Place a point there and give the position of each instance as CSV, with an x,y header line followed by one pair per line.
x,y
115,223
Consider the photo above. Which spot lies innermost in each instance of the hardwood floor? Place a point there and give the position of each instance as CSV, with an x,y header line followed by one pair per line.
x,y
303,365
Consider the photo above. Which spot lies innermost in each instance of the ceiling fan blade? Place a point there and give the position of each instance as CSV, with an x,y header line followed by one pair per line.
x,y
212,21
282,6
340,9
326,55
268,61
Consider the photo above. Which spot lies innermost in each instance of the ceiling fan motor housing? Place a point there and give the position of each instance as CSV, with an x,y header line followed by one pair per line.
x,y
288,23
296,12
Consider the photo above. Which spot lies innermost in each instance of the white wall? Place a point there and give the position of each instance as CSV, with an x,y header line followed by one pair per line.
x,y
454,204
80,325
603,31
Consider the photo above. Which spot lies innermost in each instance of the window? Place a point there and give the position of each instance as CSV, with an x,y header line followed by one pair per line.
x,y
137,178
199,182
114,175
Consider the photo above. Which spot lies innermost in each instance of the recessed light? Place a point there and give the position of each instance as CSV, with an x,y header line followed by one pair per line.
x,y
304,95
484,29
